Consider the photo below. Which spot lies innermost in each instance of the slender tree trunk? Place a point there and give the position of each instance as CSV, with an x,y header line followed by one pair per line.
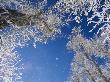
x,y
97,68
92,78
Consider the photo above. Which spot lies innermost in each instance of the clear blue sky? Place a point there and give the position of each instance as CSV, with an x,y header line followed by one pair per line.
x,y
46,63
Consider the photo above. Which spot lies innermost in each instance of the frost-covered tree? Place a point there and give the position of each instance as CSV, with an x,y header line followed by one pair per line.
x,y
22,21
85,68
97,15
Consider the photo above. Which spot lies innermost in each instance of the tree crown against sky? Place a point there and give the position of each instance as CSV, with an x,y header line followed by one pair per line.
x,y
23,20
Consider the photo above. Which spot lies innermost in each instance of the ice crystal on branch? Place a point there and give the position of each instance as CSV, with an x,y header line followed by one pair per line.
x,y
97,12
77,6
9,65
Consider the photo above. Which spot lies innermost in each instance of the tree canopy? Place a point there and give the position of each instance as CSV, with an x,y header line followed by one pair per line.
x,y
21,21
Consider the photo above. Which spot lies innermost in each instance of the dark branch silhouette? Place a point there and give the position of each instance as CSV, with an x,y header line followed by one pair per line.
x,y
9,15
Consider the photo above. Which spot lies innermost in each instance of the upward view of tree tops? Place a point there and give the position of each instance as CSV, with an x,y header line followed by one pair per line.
x,y
24,20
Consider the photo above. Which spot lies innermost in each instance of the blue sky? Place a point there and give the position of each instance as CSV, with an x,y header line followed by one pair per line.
x,y
46,63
